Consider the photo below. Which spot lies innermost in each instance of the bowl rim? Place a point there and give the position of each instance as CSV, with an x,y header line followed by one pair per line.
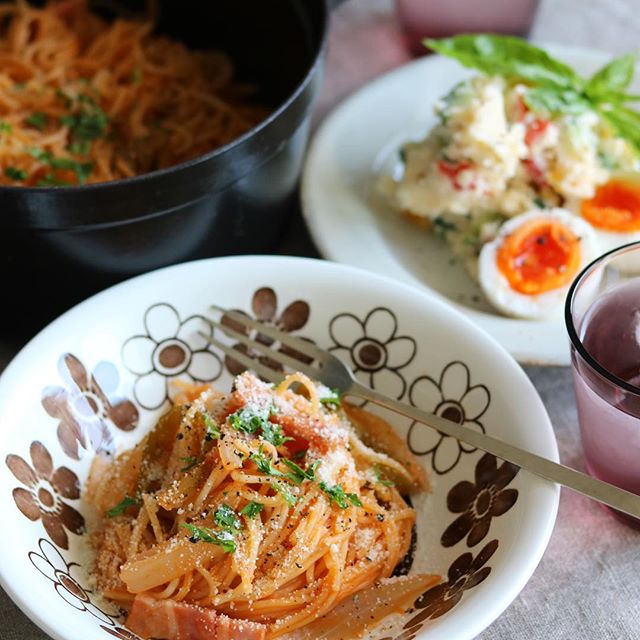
x,y
538,541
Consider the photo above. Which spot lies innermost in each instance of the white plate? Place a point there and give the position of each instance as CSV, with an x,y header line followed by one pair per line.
x,y
350,224
56,409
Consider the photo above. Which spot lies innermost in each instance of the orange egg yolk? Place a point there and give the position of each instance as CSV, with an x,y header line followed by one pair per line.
x,y
540,255
614,207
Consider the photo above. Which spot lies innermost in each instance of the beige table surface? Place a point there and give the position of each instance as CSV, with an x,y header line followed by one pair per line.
x,y
587,585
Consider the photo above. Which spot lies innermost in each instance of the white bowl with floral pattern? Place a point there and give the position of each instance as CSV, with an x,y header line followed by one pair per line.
x,y
97,379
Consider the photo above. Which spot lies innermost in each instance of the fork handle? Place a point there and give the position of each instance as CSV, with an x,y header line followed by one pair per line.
x,y
603,492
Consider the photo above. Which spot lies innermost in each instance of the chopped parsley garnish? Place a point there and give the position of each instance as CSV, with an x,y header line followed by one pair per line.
x,y
122,506
51,181
299,455
81,169
336,494
251,421
252,509
5,127
80,148
136,75
272,433
380,478
247,420
65,97
226,518
282,489
296,475
15,174
89,123
213,433
265,464
299,475
37,120
190,462
442,226
223,539
332,400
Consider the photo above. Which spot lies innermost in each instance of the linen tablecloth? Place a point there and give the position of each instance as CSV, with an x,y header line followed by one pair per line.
x,y
587,585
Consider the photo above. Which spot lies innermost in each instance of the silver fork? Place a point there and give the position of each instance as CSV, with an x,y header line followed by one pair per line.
x,y
334,373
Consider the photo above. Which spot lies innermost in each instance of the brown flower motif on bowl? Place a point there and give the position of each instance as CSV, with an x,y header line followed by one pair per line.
x,y
42,496
481,501
264,305
170,348
86,407
465,572
50,563
452,397
120,632
373,349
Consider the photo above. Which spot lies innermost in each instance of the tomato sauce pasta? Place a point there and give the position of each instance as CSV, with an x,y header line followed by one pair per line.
x,y
85,100
254,514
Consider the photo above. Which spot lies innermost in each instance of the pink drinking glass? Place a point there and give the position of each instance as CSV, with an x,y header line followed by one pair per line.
x,y
441,18
602,315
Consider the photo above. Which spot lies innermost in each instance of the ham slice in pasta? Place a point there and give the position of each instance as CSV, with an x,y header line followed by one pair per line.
x,y
151,618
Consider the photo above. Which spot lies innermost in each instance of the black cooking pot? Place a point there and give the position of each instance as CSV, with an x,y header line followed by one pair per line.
x,y
58,245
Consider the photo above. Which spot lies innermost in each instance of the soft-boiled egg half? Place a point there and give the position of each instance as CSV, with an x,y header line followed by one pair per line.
x,y
614,211
527,269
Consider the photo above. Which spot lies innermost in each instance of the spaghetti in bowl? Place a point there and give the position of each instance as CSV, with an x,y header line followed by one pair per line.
x,y
259,512
480,530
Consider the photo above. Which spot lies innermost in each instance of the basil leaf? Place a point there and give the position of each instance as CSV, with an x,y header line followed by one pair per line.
x,y
552,101
613,77
625,123
507,56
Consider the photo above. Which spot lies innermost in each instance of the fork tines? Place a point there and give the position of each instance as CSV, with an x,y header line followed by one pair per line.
x,y
293,343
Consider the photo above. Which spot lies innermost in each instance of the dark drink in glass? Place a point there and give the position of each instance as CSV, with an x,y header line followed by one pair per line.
x,y
603,320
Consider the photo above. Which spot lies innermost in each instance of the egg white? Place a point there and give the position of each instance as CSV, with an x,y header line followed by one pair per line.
x,y
608,240
513,303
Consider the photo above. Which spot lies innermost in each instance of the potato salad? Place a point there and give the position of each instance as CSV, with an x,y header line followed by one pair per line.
x,y
527,139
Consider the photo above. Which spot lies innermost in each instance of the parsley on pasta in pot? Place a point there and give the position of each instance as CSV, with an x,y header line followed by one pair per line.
x,y
77,110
